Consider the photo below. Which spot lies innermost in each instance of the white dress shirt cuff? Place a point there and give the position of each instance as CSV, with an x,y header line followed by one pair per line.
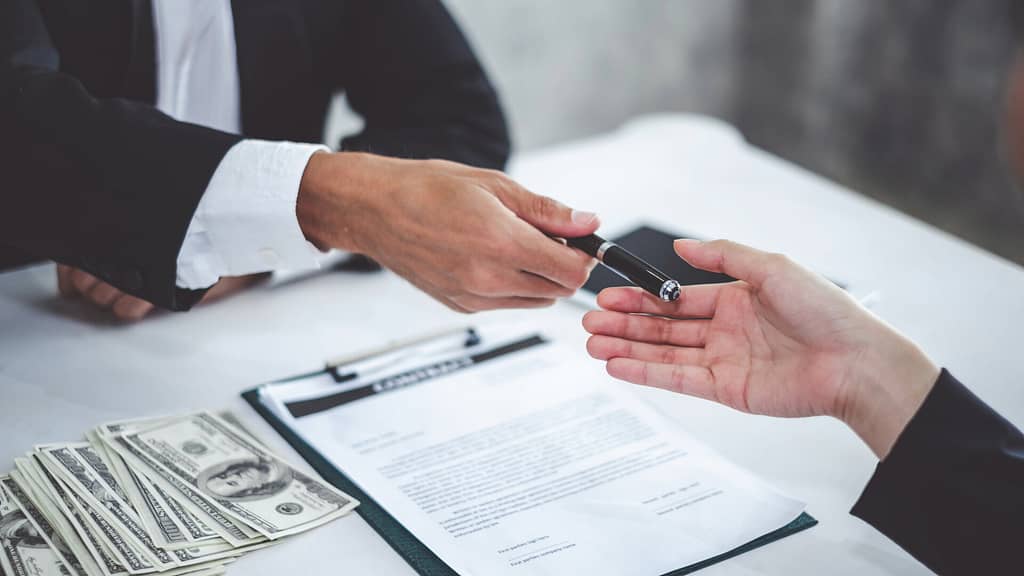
x,y
245,222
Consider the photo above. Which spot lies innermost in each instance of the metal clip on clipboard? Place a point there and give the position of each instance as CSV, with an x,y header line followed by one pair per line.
x,y
442,352
345,368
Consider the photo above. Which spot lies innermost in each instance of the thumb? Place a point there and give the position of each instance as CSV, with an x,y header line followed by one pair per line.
x,y
726,257
549,215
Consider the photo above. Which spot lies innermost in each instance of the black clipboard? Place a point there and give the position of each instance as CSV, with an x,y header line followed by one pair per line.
x,y
410,548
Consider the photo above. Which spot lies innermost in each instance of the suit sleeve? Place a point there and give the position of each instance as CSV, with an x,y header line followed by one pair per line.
x,y
106,185
951,491
420,89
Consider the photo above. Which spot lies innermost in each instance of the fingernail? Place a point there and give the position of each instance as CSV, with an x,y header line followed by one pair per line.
x,y
583,218
690,241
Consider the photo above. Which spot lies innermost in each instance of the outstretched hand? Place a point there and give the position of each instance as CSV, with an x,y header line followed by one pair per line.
x,y
780,341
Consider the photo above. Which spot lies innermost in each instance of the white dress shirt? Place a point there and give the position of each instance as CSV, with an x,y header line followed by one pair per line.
x,y
245,222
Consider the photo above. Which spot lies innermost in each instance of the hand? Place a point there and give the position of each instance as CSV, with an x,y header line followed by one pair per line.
x,y
73,283
781,341
471,238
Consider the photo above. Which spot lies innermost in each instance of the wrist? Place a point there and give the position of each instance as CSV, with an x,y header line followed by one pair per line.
x,y
331,195
311,201
891,380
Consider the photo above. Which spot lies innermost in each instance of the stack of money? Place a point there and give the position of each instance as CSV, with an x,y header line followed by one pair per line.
x,y
184,496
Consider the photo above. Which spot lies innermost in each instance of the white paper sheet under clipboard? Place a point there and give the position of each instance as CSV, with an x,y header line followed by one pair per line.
x,y
505,453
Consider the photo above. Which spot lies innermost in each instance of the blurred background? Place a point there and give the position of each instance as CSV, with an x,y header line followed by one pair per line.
x,y
902,101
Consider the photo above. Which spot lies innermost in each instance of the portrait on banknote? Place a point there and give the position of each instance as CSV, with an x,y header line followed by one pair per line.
x,y
246,479
18,532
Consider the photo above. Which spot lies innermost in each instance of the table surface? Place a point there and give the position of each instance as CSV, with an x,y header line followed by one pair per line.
x,y
64,368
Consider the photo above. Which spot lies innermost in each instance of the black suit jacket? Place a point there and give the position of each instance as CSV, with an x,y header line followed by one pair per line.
x,y
951,491
92,175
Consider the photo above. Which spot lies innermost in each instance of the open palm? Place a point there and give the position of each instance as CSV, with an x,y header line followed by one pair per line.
x,y
778,342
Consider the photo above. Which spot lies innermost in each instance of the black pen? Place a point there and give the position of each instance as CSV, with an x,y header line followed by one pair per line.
x,y
628,265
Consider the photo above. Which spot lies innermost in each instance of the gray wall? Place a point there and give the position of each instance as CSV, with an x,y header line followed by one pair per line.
x,y
569,68
899,100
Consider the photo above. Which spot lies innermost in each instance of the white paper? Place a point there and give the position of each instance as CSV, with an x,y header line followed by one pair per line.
x,y
539,463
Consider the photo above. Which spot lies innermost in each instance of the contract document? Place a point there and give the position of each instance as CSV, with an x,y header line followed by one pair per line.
x,y
527,458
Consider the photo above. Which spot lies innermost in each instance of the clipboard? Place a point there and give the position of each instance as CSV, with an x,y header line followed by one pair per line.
x,y
408,546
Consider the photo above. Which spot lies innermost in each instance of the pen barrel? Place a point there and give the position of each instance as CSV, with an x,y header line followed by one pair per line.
x,y
635,270
588,244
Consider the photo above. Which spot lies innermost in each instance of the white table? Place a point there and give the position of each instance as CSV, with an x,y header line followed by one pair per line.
x,y
64,369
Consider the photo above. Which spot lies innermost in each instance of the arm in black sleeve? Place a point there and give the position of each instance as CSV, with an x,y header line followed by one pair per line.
x,y
422,92
106,185
951,491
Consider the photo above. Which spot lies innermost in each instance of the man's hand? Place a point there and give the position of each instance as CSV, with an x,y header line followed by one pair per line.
x,y
471,238
781,341
74,283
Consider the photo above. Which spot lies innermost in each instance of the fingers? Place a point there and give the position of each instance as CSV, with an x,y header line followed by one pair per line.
x,y
103,294
607,347
545,214
646,328
470,304
684,379
130,308
737,260
64,286
82,281
540,292
693,302
542,216
528,284
73,282
540,255
124,306
64,283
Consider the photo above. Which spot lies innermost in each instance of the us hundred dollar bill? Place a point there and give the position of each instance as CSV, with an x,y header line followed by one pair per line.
x,y
23,550
63,507
70,552
152,513
100,492
103,505
171,526
233,532
210,563
92,478
39,506
239,476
